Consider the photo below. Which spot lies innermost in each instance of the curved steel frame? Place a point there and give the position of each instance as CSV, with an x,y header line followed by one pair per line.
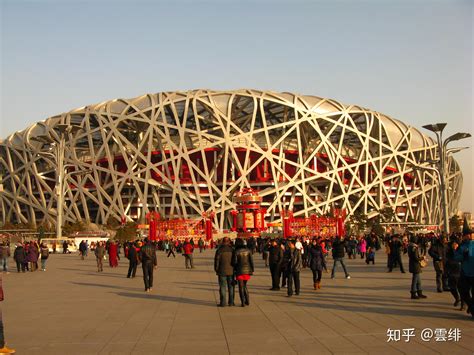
x,y
184,153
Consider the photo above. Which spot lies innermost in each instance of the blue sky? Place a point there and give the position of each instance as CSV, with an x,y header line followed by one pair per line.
x,y
411,60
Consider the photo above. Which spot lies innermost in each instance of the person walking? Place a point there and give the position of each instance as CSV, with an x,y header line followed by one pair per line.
x,y
284,264
3,348
251,245
225,272
317,263
4,255
87,248
395,256
414,267
453,270
65,247
438,253
266,251
465,254
188,250
243,267
351,247
132,256
99,255
82,249
275,259
172,249
19,255
201,245
338,252
147,257
294,267
44,252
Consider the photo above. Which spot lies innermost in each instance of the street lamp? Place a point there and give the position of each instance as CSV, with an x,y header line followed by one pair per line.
x,y
57,141
437,129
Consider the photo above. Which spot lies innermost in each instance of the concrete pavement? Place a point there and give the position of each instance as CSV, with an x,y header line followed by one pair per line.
x,y
71,309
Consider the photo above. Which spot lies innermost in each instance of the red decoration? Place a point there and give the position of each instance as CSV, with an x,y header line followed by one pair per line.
x,y
152,219
249,219
208,216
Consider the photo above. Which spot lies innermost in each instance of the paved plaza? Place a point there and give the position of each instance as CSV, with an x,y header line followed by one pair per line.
x,y
71,309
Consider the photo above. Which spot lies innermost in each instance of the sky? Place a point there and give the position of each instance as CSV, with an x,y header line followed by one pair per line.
x,y
409,59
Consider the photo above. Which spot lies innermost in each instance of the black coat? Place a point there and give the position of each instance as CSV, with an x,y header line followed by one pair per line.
x,y
395,247
453,267
223,261
132,254
338,248
243,262
19,255
275,256
316,258
438,253
414,259
148,254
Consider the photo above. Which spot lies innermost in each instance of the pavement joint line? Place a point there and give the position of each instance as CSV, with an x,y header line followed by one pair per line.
x,y
304,327
424,344
344,335
146,327
219,312
73,307
173,322
361,314
273,325
323,322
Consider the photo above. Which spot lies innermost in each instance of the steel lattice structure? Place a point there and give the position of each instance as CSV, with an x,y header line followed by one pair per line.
x,y
184,153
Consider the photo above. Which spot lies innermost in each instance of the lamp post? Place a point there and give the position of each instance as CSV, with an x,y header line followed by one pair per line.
x,y
437,129
58,144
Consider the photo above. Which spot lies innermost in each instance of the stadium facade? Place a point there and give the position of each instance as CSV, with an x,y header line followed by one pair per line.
x,y
185,153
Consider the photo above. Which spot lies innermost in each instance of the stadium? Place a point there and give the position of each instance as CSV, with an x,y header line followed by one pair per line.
x,y
187,153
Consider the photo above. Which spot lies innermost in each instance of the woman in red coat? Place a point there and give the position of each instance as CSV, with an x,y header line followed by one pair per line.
x,y
113,260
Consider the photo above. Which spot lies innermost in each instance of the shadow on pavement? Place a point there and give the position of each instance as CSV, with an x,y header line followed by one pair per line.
x,y
382,310
103,286
167,298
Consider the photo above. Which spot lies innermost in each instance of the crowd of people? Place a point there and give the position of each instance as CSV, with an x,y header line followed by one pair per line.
x,y
286,258
452,260
451,257
26,256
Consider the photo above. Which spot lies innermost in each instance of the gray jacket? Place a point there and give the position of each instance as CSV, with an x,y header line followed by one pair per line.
x,y
99,252
223,261
296,262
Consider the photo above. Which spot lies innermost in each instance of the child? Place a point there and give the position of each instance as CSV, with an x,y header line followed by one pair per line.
x,y
370,256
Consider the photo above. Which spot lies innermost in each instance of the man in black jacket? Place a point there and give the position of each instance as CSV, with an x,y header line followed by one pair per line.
x,y
147,257
225,272
453,270
132,256
395,246
438,253
293,268
275,258
338,252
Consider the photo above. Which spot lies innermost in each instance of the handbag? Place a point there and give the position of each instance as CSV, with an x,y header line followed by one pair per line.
x,y
423,263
